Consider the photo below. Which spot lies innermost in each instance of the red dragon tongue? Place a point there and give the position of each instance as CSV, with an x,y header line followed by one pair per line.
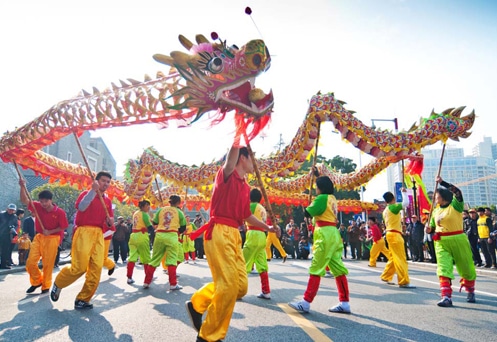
x,y
242,93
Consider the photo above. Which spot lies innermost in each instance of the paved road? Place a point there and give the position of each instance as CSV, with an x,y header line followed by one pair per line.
x,y
125,312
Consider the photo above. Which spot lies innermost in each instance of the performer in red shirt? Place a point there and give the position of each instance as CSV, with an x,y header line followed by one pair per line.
x,y
46,241
379,245
230,207
88,242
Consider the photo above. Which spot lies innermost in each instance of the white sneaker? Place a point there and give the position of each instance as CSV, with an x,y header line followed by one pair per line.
x,y
130,281
146,286
175,287
187,262
254,271
194,262
264,295
342,307
328,274
301,306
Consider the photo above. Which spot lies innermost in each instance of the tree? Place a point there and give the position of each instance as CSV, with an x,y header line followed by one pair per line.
x,y
123,209
64,196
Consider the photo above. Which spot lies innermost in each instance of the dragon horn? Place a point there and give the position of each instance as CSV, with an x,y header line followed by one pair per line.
x,y
181,58
457,112
200,38
163,59
447,111
185,42
413,127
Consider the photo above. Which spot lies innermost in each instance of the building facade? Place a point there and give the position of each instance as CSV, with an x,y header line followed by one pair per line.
x,y
474,174
97,154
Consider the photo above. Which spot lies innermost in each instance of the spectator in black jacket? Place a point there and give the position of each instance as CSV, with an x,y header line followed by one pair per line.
x,y
416,233
28,226
471,230
8,222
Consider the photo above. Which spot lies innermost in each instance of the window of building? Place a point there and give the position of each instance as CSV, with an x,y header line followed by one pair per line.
x,y
93,163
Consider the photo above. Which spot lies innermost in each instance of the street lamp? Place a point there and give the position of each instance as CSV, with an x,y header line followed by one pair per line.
x,y
394,120
396,126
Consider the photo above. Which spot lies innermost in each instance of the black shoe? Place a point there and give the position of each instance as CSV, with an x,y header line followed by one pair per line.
x,y
44,291
55,293
195,317
111,271
82,305
32,289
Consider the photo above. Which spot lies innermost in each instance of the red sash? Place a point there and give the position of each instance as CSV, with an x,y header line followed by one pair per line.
x,y
325,223
437,235
209,226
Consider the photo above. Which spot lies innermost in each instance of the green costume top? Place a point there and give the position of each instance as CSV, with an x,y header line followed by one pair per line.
x,y
141,220
324,208
392,218
169,218
448,219
258,211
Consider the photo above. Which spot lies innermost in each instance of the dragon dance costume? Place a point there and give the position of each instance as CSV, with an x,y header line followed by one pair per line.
x,y
88,247
254,249
452,247
169,220
230,206
139,242
45,246
397,262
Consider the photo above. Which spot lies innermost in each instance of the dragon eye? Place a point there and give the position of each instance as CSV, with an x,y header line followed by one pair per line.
x,y
256,60
215,65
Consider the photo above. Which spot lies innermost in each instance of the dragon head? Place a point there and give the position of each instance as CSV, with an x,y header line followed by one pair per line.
x,y
221,77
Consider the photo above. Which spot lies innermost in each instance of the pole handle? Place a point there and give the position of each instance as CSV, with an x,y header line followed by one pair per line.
x,y
25,189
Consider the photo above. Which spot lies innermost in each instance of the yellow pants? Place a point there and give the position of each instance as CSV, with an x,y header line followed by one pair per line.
x,y
272,239
397,261
230,282
44,247
108,262
87,257
377,248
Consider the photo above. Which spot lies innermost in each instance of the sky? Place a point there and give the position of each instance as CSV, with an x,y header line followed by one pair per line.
x,y
385,58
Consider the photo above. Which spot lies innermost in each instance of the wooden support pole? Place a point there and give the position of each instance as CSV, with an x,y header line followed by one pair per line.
x,y
90,173
314,163
25,189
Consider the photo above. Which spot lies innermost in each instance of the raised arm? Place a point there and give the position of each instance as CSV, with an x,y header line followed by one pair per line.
x,y
452,188
231,160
